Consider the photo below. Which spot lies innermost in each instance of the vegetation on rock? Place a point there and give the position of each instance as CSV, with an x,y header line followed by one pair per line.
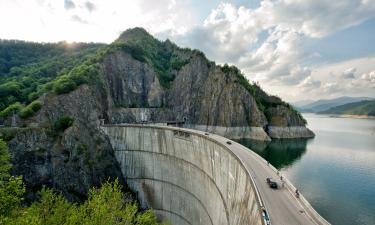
x,y
30,109
63,123
145,48
105,205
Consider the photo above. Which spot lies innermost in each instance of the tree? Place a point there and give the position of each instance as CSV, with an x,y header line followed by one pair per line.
x,y
11,187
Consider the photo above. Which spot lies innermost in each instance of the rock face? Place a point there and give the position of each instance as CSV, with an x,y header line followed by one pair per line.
x,y
72,160
206,96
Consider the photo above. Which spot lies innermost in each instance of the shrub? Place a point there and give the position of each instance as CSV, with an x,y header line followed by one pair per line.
x,y
8,110
63,123
81,149
8,133
64,85
177,63
11,187
32,96
10,88
31,109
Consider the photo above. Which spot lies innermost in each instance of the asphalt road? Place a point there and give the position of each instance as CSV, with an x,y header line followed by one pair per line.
x,y
281,204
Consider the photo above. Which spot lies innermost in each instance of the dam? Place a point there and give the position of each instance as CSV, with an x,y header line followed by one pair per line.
x,y
190,177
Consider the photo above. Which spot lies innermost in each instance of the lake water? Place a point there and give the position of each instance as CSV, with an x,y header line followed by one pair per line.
x,y
335,171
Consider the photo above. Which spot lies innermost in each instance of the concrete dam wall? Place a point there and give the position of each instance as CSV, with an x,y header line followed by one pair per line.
x,y
185,176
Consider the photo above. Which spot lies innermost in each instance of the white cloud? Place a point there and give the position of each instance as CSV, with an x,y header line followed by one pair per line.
x,y
349,73
316,18
309,84
369,78
267,42
94,20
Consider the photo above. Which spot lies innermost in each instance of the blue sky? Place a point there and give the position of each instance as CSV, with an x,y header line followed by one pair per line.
x,y
296,49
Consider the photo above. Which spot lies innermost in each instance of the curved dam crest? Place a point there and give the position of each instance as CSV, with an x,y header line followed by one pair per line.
x,y
186,178
191,177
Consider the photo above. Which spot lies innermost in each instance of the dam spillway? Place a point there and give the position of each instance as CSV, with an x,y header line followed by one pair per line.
x,y
185,177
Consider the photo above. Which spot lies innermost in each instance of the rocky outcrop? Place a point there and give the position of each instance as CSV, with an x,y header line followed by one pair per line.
x,y
72,160
206,96
289,132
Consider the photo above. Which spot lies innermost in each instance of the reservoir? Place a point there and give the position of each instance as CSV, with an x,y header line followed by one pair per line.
x,y
335,171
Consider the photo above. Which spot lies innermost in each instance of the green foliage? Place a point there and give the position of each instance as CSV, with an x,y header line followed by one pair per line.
x,y
80,74
14,53
64,84
177,63
11,187
81,149
30,109
8,133
10,88
4,158
105,205
15,107
27,70
63,123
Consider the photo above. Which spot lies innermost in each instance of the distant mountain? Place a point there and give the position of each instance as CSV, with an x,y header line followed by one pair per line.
x,y
301,103
325,104
366,108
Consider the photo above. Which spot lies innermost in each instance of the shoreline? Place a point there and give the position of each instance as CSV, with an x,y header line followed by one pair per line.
x,y
349,116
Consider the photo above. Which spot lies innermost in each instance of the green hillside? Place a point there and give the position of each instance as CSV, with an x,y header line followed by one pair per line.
x,y
357,108
27,69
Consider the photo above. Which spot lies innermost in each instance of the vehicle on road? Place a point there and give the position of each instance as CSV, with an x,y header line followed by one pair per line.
x,y
229,143
265,216
271,183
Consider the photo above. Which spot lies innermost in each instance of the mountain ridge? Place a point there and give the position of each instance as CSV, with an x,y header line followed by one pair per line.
x,y
361,108
325,104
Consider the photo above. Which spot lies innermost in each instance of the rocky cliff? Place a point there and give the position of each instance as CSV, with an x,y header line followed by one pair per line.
x,y
173,84
136,78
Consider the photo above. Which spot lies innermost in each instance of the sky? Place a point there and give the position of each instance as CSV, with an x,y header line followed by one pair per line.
x,y
295,49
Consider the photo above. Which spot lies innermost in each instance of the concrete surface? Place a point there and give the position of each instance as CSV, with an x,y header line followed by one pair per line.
x,y
192,177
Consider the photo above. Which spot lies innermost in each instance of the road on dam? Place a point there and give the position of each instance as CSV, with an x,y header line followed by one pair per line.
x,y
281,204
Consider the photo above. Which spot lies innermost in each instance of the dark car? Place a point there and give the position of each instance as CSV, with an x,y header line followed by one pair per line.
x,y
229,143
271,183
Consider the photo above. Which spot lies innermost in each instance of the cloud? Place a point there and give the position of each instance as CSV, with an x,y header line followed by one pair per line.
x,y
268,42
90,6
349,73
309,84
69,4
316,18
369,78
78,19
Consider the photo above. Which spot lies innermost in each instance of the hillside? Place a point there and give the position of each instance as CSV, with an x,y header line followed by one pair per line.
x,y
26,67
366,108
58,102
325,104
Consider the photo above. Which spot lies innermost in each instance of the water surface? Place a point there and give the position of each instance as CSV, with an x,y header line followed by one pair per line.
x,y
335,171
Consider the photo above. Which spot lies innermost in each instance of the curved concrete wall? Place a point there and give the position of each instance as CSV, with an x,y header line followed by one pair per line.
x,y
186,177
